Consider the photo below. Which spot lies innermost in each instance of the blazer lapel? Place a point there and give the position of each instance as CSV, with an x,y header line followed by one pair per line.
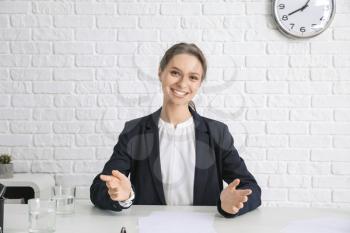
x,y
154,159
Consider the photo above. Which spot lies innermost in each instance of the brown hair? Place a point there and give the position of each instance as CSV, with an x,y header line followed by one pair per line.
x,y
184,48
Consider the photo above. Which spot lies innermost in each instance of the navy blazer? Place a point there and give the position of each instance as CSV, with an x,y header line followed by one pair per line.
x,y
137,154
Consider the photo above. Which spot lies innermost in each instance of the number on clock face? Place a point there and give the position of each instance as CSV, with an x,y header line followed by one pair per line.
x,y
303,18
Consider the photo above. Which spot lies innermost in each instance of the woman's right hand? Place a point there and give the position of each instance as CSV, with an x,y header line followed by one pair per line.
x,y
119,186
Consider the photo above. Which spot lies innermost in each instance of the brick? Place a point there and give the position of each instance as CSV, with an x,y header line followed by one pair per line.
x,y
274,194
341,196
341,87
342,61
288,48
330,182
316,88
338,155
263,35
290,74
21,166
95,35
88,166
244,74
4,75
4,100
230,35
342,115
52,34
166,22
93,114
53,8
49,140
30,48
131,113
74,154
340,21
74,180
330,128
180,9
73,48
311,115
116,48
267,61
30,127
109,127
4,21
341,141
75,101
137,9
288,101
330,74
330,48
267,167
95,61
82,192
31,100
287,128
4,48
117,22
103,153
137,35
52,61
341,168
223,8
310,141
156,100
225,61
96,140
96,88
53,87
74,127
32,153
244,48
290,181
267,141
53,114
4,127
15,87
14,34
15,114
258,8
310,195
14,7
15,140
246,127
307,168
341,33
14,60
267,114
333,101
70,21
116,74
288,154
266,87
30,74
242,101
51,166
201,22
31,21
310,61
125,87
248,22
95,9
73,74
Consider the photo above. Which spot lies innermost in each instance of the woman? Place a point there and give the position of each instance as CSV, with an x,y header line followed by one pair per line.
x,y
175,156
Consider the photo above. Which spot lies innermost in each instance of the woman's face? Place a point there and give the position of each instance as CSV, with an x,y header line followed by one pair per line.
x,y
181,79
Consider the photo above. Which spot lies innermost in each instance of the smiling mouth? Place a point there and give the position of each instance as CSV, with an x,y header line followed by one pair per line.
x,y
178,93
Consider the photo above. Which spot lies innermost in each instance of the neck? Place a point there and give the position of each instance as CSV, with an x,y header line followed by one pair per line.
x,y
175,114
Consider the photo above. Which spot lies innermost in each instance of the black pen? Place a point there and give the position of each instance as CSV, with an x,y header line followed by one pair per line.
x,y
123,230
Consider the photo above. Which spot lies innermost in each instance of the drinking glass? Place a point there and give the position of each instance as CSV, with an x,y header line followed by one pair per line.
x,y
64,198
42,215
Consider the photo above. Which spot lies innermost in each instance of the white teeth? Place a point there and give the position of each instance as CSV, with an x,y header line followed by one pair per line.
x,y
179,93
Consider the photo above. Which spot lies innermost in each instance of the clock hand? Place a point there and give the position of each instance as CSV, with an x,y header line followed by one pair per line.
x,y
300,9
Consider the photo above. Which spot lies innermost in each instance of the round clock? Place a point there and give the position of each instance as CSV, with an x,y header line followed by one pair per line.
x,y
303,18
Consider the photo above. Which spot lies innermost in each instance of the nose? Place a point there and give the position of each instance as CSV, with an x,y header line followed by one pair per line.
x,y
182,82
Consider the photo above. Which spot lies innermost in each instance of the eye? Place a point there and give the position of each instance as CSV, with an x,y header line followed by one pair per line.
x,y
175,73
194,78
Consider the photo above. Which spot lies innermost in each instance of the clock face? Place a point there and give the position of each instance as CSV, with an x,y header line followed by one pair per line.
x,y
303,18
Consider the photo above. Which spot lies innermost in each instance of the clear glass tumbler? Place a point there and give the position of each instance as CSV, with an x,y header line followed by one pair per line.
x,y
42,216
64,198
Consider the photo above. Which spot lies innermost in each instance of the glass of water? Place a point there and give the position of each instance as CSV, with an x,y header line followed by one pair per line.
x,y
64,198
42,215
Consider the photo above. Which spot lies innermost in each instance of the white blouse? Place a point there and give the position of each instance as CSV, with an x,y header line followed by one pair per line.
x,y
177,161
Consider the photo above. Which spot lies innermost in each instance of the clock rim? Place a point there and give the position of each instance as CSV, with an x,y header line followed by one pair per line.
x,y
291,35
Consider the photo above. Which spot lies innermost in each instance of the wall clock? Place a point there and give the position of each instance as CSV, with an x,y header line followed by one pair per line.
x,y
303,18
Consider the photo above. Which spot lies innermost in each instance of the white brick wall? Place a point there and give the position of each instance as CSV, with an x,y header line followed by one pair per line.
x,y
71,74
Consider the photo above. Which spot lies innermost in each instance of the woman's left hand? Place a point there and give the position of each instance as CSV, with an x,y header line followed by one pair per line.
x,y
232,199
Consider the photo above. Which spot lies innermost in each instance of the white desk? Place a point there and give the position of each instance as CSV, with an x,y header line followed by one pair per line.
x,y
88,219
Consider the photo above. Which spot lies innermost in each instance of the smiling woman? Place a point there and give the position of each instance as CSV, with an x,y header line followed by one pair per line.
x,y
175,156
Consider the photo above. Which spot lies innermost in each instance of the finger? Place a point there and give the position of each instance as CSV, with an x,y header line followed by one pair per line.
x,y
113,192
240,205
234,184
105,178
235,210
244,192
118,174
244,199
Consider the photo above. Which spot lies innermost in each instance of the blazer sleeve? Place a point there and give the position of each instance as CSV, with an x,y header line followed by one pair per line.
x,y
233,167
121,161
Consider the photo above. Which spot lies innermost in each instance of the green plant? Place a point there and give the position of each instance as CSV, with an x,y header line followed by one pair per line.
x,y
5,159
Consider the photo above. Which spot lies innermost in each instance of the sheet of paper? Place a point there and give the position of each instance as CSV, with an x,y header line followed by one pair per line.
x,y
175,222
319,225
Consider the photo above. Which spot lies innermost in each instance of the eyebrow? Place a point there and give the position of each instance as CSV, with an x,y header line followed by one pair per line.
x,y
174,67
